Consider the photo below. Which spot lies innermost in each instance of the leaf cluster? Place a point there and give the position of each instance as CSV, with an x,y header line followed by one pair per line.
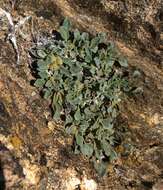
x,y
83,78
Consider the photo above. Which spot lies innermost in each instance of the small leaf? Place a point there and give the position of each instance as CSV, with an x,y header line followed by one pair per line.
x,y
136,73
98,152
101,167
49,83
113,155
66,24
57,99
76,151
87,149
43,74
75,69
57,113
114,113
64,33
56,62
79,86
77,115
138,90
42,65
85,36
41,53
71,130
102,37
39,83
97,61
123,62
93,108
107,123
47,61
79,140
88,57
59,60
94,43
77,35
87,112
107,148
69,119
47,94
96,125
83,127
110,62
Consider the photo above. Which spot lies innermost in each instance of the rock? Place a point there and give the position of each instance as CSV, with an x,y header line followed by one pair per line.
x,y
16,142
158,186
51,125
31,172
135,27
11,172
88,184
73,183
33,93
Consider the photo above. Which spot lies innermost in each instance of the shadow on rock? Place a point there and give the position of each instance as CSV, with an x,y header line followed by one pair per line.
x,y
2,178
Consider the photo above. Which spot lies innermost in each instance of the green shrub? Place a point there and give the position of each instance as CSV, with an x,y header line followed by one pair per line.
x,y
83,78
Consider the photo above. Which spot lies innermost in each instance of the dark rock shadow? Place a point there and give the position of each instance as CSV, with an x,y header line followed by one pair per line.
x,y
2,178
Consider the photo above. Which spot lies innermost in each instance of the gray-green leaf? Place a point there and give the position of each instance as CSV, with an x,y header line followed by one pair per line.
x,y
41,53
123,62
39,83
87,149
64,33
79,140
77,115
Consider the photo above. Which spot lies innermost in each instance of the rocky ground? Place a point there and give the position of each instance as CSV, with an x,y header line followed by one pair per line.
x,y
35,153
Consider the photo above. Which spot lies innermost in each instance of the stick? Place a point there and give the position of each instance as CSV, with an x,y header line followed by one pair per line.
x,y
12,31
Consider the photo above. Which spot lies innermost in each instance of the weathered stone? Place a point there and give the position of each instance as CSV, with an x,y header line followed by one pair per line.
x,y
158,186
36,153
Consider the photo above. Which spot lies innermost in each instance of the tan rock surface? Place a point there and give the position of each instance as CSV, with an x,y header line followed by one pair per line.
x,y
34,153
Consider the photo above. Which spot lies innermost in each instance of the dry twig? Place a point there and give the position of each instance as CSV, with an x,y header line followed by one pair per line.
x,y
13,29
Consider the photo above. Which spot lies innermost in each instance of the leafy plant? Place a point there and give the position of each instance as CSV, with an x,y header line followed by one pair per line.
x,y
83,78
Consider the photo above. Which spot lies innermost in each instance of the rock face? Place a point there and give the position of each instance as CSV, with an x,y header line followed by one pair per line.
x,y
137,23
34,152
